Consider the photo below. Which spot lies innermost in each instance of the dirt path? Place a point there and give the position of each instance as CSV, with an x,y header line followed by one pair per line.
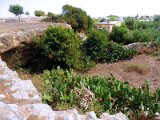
x,y
119,71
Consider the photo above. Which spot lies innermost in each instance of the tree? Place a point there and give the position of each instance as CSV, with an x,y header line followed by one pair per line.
x,y
76,17
62,46
16,9
27,13
39,13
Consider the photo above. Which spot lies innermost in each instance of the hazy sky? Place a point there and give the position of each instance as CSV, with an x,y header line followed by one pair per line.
x,y
95,8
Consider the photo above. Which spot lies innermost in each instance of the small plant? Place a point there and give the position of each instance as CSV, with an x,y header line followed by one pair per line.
x,y
139,68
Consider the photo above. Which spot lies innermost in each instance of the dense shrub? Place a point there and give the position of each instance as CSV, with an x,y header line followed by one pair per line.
x,y
94,45
114,52
118,34
62,46
142,36
135,31
109,94
100,50
129,22
39,13
54,18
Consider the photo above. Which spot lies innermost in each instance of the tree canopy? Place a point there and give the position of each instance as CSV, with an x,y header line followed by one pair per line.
x,y
113,17
77,18
16,9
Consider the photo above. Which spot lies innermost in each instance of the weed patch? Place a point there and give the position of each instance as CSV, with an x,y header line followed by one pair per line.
x,y
110,95
139,68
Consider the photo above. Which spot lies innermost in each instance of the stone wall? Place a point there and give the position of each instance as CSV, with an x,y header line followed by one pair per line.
x,y
139,45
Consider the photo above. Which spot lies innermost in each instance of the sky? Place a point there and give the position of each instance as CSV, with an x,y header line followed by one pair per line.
x,y
94,8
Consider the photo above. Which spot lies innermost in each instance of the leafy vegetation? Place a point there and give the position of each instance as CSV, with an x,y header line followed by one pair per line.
x,y
39,13
118,34
110,94
100,49
135,31
16,9
77,18
55,18
61,45
113,17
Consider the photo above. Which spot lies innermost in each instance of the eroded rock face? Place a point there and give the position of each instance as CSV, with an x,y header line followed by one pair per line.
x,y
20,100
22,34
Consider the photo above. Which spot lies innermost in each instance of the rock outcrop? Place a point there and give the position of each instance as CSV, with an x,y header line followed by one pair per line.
x,y
20,100
140,45
23,33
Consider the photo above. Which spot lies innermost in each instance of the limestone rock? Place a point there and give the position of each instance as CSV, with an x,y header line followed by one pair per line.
x,y
12,39
118,116
139,45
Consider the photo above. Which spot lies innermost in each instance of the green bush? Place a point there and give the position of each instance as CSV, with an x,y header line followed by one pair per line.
x,y
54,18
94,45
118,34
142,36
39,13
110,94
129,22
137,31
114,52
62,46
99,49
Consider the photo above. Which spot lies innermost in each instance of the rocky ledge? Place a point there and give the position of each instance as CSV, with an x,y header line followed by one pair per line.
x,y
13,34
20,100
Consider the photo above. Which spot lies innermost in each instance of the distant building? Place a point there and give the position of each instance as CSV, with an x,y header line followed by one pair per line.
x,y
107,25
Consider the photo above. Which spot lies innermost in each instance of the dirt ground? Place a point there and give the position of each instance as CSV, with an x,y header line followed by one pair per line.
x,y
118,70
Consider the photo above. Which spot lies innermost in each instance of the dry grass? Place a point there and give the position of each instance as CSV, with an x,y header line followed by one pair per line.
x,y
145,50
139,68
